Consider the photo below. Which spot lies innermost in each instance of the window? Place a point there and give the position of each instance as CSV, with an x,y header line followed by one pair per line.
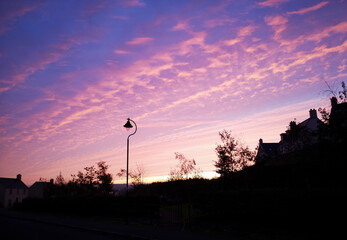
x,y
10,191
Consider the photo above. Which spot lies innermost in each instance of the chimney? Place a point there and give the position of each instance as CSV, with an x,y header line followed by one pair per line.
x,y
292,125
51,181
313,113
19,177
260,141
333,101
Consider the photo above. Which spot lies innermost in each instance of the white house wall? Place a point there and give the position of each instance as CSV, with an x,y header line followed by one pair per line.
x,y
14,196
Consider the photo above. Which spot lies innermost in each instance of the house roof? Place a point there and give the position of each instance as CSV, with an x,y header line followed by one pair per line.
x,y
41,185
311,123
12,183
270,149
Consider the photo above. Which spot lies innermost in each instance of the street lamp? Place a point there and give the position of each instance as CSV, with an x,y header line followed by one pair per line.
x,y
128,126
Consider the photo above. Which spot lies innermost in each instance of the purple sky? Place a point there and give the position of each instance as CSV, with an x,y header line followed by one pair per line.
x,y
72,72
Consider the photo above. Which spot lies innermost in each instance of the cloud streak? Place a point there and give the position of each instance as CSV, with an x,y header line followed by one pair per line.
x,y
271,3
139,41
310,9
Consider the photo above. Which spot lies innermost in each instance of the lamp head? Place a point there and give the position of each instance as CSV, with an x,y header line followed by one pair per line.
x,y
128,125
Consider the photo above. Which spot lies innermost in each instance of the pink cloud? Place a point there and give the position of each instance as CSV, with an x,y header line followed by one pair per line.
x,y
241,34
271,3
4,89
278,23
220,61
339,28
181,25
164,56
139,41
246,31
212,23
80,115
198,40
310,9
231,42
301,58
317,36
275,20
122,52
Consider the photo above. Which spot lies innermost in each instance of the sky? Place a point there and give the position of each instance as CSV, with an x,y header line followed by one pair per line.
x,y
72,72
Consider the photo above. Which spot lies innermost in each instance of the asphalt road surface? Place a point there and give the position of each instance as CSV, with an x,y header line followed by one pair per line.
x,y
14,229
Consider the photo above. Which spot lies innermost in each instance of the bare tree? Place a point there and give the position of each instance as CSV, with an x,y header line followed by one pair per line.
x,y
59,180
342,95
184,169
333,91
137,175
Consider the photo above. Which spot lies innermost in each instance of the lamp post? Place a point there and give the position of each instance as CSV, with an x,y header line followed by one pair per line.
x,y
128,126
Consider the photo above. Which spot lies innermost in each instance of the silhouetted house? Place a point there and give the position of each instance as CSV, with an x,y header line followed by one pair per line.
x,y
296,138
338,119
266,151
40,189
12,190
299,136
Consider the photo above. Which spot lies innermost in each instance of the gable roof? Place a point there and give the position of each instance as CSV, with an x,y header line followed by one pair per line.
x,y
40,185
311,124
270,149
12,183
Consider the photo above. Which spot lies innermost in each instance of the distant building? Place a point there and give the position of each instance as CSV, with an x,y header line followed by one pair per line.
x,y
307,133
266,150
40,189
302,135
338,119
12,190
296,138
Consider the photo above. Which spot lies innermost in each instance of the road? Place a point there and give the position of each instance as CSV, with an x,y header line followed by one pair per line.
x,y
14,229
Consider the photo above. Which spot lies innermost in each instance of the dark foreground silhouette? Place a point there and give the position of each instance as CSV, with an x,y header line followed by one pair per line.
x,y
304,199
